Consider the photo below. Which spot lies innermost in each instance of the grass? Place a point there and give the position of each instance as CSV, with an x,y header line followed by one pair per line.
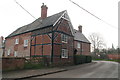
x,y
33,66
29,66
108,60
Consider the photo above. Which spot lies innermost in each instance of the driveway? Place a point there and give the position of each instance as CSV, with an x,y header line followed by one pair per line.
x,y
101,69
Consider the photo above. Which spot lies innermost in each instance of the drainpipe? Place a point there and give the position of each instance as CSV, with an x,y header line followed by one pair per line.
x,y
52,52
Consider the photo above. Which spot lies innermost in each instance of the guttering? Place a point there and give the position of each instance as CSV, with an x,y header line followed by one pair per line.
x,y
28,31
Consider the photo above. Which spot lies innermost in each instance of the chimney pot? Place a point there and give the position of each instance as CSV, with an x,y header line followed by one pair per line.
x,y
80,28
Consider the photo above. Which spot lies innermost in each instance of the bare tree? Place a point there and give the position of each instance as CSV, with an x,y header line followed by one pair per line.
x,y
97,41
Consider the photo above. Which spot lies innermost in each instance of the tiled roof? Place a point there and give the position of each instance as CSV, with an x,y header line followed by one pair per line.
x,y
38,23
49,21
80,37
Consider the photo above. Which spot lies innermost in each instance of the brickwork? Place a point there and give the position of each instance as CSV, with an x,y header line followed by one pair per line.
x,y
63,27
12,63
84,48
44,11
41,45
21,50
47,41
113,56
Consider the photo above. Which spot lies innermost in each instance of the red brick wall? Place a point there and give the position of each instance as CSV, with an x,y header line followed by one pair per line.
x,y
113,56
84,48
21,50
12,63
44,39
63,27
41,45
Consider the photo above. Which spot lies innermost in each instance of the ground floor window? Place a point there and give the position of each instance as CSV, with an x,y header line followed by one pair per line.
x,y
8,53
64,53
15,54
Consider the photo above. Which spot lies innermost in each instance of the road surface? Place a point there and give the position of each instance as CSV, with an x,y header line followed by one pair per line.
x,y
101,69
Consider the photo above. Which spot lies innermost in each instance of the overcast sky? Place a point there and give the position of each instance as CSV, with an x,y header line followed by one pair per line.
x,y
12,16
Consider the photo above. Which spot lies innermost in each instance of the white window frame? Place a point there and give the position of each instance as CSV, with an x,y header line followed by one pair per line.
x,y
64,38
64,53
8,53
15,53
26,43
16,41
78,45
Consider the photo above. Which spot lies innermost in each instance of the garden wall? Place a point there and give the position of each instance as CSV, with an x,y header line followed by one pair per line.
x,y
11,63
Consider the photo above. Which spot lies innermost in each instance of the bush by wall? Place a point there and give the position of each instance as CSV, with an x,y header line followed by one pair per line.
x,y
88,59
80,59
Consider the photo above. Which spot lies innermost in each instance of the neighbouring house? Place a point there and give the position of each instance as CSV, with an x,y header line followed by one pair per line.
x,y
51,37
81,43
1,46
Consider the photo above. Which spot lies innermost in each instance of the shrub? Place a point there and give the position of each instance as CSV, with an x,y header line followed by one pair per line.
x,y
80,59
88,59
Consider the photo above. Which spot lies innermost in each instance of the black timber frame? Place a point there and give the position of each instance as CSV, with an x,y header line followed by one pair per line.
x,y
53,30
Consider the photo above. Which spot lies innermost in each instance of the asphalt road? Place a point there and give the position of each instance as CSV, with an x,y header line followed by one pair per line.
x,y
101,69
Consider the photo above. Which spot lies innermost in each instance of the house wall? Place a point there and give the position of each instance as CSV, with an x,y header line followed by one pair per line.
x,y
1,52
63,28
21,50
84,48
41,45
42,42
1,46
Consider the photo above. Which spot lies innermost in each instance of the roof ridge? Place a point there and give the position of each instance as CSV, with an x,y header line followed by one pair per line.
x,y
58,13
80,36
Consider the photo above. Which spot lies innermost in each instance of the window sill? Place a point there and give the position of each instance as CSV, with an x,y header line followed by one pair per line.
x,y
25,46
64,42
64,57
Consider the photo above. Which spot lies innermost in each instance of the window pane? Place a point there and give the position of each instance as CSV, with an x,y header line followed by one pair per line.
x,y
64,38
16,41
78,45
15,54
64,53
25,43
9,52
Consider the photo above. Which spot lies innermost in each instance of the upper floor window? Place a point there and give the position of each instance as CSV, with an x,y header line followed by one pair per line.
x,y
16,41
26,43
64,38
78,45
64,53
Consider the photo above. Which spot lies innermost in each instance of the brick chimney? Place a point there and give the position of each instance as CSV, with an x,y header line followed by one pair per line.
x,y
44,11
80,28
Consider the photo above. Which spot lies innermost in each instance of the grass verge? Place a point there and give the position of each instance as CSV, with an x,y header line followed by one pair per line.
x,y
108,60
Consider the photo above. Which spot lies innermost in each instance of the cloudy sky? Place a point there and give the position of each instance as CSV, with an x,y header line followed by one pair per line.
x,y
12,16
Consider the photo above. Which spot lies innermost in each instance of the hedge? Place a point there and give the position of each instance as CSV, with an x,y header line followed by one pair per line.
x,y
80,59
